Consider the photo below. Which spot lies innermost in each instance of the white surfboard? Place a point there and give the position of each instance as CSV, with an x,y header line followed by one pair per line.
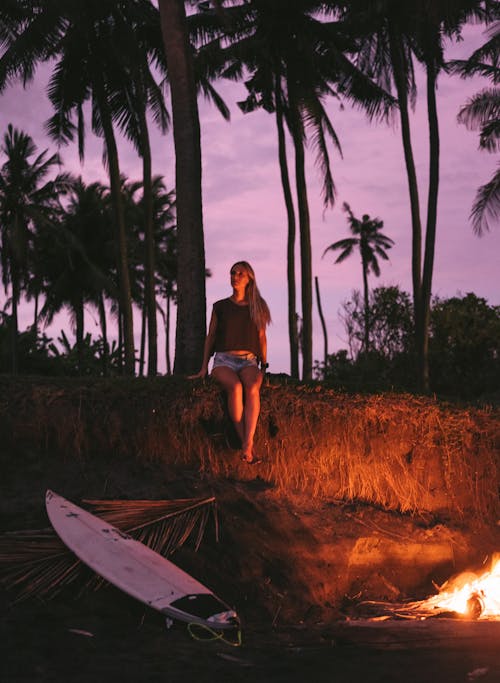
x,y
135,568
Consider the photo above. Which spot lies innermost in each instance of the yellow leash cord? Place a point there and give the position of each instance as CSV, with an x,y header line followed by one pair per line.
x,y
213,635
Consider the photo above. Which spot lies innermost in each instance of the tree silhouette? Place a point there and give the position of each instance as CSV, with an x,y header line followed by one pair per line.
x,y
371,244
77,38
27,201
391,34
76,261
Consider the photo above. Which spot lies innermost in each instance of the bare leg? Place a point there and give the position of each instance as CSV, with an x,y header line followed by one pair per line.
x,y
232,385
251,378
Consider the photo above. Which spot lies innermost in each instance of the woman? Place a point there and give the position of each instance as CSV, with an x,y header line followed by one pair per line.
x,y
237,335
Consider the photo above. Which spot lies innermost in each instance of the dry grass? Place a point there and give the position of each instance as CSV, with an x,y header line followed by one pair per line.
x,y
399,452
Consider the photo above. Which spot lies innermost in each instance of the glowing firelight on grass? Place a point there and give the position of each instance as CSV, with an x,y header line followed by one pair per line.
x,y
471,595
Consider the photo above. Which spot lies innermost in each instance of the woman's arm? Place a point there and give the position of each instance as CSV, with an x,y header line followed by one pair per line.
x,y
263,348
208,348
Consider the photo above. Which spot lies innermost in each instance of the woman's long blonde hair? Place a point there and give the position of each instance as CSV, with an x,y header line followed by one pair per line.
x,y
259,310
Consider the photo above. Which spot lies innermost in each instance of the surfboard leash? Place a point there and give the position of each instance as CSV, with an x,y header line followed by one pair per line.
x,y
213,635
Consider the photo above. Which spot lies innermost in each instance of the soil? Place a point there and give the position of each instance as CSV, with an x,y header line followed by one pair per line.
x,y
299,572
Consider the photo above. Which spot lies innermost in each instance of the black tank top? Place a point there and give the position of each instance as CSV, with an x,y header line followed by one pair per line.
x,y
236,331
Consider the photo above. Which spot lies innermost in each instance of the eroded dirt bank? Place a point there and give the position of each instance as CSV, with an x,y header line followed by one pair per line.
x,y
360,498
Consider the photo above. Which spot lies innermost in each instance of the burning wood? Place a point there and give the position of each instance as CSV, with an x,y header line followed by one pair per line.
x,y
469,596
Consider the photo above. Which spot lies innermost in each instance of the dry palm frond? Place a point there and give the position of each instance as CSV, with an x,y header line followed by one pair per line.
x,y
37,563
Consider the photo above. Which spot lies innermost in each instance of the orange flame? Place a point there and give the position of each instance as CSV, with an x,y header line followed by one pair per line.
x,y
471,595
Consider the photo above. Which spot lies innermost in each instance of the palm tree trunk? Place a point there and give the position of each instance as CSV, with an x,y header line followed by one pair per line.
x,y
305,263
14,325
290,212
191,301
396,51
366,309
323,324
120,340
104,333
35,316
79,318
167,336
122,265
305,235
144,316
430,235
149,242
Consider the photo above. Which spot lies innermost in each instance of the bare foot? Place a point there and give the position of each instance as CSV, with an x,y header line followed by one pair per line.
x,y
250,459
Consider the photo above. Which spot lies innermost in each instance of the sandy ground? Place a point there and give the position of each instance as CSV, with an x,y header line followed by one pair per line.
x,y
108,637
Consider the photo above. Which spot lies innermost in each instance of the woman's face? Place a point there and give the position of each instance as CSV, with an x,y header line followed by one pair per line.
x,y
239,276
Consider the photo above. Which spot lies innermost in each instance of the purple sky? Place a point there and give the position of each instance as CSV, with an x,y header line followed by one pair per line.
x,y
244,213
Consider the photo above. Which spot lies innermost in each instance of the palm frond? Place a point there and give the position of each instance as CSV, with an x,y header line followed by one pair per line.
x,y
156,102
484,61
486,205
346,245
467,69
211,94
317,120
489,137
482,107
38,564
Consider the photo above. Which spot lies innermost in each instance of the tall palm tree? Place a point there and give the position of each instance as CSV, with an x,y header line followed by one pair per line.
x,y
261,97
436,21
267,93
384,31
391,35
482,112
191,302
132,99
294,57
372,245
293,333
27,201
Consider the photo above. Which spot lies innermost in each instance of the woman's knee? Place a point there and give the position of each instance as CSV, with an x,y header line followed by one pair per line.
x,y
252,389
234,391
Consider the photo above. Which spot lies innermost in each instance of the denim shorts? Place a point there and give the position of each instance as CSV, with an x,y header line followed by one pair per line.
x,y
236,363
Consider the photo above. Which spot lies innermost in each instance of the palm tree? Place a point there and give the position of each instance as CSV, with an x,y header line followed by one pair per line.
x,y
385,32
191,302
482,112
435,22
78,36
371,244
137,218
391,34
131,102
28,201
76,261
167,272
293,57
261,97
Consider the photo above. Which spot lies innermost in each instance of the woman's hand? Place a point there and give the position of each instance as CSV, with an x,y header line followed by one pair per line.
x,y
199,375
207,349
